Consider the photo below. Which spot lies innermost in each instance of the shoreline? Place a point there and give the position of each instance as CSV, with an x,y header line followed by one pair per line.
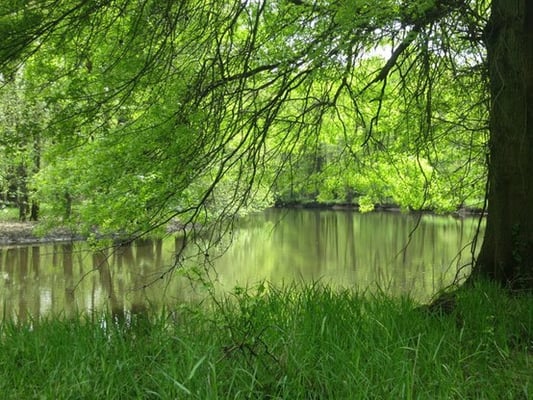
x,y
385,207
14,233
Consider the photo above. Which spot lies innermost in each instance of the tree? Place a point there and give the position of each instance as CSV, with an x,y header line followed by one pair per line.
x,y
507,252
23,118
228,87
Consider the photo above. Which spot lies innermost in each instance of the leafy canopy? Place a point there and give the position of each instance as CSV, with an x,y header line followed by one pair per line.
x,y
197,109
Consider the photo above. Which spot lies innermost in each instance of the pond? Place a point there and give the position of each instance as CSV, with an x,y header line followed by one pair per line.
x,y
394,252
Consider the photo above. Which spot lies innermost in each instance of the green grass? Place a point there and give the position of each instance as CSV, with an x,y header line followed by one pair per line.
x,y
291,343
9,214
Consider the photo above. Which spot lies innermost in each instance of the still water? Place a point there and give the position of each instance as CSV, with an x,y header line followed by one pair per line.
x,y
394,252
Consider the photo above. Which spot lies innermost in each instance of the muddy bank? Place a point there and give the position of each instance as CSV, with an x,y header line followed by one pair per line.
x,y
24,233
14,232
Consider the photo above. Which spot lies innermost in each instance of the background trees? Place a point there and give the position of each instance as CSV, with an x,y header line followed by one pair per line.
x,y
199,109
23,118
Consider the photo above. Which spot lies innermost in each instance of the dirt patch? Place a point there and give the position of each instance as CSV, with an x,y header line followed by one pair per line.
x,y
13,232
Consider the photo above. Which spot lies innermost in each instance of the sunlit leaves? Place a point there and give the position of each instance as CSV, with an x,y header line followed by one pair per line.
x,y
367,14
176,109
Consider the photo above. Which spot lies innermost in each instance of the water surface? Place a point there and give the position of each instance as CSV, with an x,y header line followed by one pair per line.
x,y
398,253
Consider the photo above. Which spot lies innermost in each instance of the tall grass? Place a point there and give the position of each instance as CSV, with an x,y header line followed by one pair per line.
x,y
296,342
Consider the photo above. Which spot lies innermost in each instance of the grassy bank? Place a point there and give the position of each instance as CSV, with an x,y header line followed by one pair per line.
x,y
291,343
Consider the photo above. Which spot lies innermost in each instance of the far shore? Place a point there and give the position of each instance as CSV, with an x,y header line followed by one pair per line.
x,y
15,232
23,233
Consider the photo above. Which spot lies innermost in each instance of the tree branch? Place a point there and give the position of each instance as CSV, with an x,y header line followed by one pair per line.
x,y
391,62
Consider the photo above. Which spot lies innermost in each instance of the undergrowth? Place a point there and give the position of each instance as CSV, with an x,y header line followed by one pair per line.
x,y
296,342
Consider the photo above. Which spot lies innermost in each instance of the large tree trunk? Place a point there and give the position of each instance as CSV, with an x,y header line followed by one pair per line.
x,y
506,255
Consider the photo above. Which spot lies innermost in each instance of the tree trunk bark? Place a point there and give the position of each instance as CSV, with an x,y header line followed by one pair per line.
x,y
34,211
506,255
22,192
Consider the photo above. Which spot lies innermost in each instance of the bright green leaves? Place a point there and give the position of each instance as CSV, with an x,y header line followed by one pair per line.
x,y
23,118
418,152
366,14
123,180
198,109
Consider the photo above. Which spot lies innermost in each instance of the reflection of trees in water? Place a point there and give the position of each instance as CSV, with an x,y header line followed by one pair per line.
x,y
36,260
350,249
101,264
66,278
22,271
14,282
68,267
11,283
19,266
124,272
137,261
343,248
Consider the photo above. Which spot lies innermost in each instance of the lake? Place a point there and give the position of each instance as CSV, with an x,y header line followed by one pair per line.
x,y
395,252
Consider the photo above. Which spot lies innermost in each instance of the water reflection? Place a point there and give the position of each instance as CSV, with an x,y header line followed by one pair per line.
x,y
350,249
338,247
66,278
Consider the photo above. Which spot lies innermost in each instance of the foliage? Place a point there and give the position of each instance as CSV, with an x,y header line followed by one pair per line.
x,y
164,110
23,118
